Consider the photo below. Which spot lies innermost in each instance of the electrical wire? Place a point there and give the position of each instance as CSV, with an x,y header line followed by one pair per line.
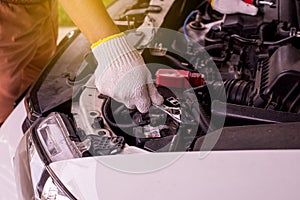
x,y
186,22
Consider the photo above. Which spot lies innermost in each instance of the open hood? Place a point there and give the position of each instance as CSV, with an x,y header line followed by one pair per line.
x,y
219,175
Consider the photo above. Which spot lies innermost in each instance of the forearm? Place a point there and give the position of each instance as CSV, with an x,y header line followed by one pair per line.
x,y
91,18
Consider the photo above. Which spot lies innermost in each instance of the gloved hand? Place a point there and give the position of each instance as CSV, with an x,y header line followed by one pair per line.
x,y
233,6
123,75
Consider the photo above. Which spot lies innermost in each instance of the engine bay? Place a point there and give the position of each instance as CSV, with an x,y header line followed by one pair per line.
x,y
222,74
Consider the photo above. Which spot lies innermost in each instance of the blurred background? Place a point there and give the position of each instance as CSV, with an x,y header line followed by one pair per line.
x,y
66,24
64,20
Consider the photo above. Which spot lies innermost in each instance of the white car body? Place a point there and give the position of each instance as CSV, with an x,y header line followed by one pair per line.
x,y
272,174
248,174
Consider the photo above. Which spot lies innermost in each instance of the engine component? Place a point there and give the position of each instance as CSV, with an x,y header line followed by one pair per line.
x,y
138,128
255,137
244,115
181,79
238,91
258,58
283,11
98,123
159,145
103,145
259,3
279,81
174,112
242,25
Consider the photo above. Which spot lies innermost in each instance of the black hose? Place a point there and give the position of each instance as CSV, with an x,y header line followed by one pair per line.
x,y
261,31
279,41
109,121
214,46
238,91
244,40
257,42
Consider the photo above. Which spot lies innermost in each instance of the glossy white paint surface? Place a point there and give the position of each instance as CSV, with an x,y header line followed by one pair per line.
x,y
10,135
221,175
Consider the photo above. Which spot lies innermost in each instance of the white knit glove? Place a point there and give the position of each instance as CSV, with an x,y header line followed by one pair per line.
x,y
123,75
233,6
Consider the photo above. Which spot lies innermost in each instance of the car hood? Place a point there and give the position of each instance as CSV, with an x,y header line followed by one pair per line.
x,y
9,139
220,175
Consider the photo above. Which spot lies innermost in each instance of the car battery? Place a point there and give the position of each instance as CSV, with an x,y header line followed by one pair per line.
x,y
181,79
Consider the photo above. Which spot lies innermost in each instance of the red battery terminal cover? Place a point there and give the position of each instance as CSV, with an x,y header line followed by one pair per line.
x,y
252,2
178,78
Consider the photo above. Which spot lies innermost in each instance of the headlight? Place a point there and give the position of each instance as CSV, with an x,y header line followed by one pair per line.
x,y
47,141
52,135
51,191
